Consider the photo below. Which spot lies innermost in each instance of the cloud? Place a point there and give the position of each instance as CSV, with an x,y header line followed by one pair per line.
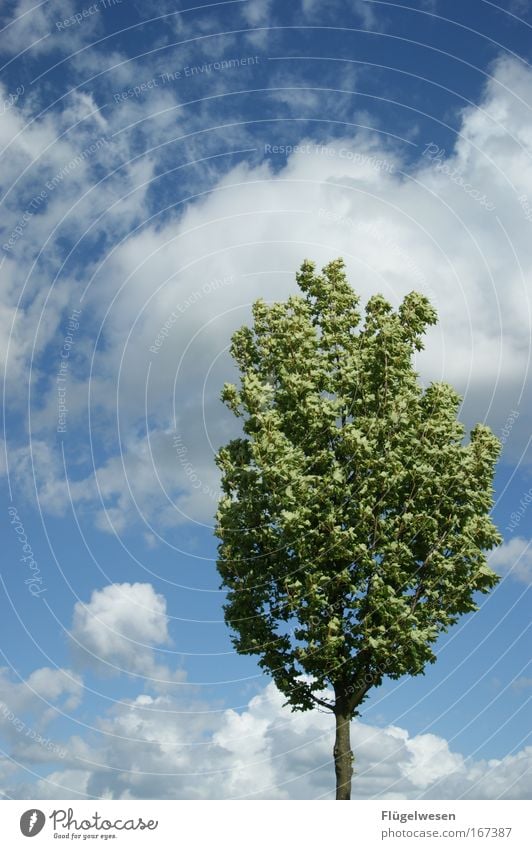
x,y
41,27
522,683
119,628
71,782
44,685
428,225
154,245
257,12
314,10
155,748
51,170
519,7
169,742
27,709
514,558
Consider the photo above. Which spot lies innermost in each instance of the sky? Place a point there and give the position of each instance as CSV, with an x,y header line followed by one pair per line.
x,y
160,169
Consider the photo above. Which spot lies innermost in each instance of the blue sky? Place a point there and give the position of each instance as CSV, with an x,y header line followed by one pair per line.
x,y
159,170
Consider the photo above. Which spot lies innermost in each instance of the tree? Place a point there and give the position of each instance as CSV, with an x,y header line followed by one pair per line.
x,y
354,519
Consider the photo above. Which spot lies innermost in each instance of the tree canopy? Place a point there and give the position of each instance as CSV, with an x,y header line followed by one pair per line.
x,y
354,518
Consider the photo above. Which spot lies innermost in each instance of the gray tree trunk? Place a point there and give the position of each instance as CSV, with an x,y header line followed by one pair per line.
x,y
343,756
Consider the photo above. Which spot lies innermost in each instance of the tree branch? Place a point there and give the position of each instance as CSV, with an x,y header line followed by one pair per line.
x,y
322,702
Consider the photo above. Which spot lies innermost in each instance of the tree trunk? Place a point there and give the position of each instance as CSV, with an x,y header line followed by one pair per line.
x,y
343,756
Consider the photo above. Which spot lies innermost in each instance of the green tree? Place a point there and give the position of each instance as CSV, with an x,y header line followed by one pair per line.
x,y
354,518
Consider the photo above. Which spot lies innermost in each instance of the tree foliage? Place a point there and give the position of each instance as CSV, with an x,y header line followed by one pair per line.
x,y
355,518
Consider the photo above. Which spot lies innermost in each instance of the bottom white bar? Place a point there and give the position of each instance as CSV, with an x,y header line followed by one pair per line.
x,y
266,824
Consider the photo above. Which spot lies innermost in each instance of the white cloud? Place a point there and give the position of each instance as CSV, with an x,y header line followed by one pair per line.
x,y
522,683
43,686
519,7
47,166
27,710
2,457
161,748
40,26
168,742
257,12
430,758
18,328
68,782
50,684
314,9
119,628
514,558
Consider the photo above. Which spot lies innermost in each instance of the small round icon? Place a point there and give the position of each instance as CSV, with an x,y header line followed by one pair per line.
x,y
32,822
